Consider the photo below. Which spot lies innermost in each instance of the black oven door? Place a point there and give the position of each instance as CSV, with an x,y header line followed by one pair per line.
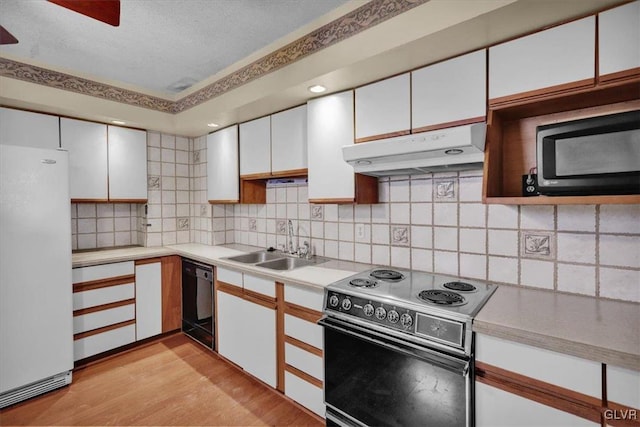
x,y
372,379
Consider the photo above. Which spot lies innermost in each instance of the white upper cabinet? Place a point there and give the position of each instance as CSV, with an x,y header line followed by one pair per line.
x,y
255,146
289,140
383,108
557,56
619,39
330,126
87,146
29,129
222,166
127,164
449,92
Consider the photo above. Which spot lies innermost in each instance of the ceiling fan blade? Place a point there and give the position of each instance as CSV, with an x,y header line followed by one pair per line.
x,y
107,11
6,37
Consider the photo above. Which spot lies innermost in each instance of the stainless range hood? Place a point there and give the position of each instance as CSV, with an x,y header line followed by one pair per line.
x,y
452,149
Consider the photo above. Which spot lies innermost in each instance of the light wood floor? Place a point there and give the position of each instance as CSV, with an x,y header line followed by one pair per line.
x,y
170,382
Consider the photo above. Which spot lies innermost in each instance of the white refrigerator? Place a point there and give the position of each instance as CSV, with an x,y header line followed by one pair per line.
x,y
36,314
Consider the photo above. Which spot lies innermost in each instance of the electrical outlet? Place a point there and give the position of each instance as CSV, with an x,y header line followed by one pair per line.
x,y
360,231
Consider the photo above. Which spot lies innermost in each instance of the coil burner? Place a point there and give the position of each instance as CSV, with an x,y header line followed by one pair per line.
x,y
438,297
387,275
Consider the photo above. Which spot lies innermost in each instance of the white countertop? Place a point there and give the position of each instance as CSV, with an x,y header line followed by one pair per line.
x,y
602,330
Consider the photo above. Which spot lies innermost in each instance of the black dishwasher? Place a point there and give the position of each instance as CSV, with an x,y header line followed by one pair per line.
x,y
197,302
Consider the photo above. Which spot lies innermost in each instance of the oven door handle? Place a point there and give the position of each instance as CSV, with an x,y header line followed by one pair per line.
x,y
441,360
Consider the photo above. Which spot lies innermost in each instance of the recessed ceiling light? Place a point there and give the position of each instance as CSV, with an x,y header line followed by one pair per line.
x,y
117,122
213,125
317,89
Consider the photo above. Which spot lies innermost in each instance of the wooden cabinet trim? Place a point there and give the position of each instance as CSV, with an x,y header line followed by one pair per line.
x,y
252,176
303,375
253,191
103,329
366,191
560,398
229,289
301,312
303,346
259,299
104,283
438,126
337,201
383,136
290,173
128,200
103,307
90,201
631,74
223,202
171,293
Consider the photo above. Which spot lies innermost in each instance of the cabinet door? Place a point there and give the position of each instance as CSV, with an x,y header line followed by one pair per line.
x,y
222,166
29,129
330,126
289,140
87,146
563,55
383,108
495,407
260,342
231,327
449,93
255,147
127,164
148,300
619,40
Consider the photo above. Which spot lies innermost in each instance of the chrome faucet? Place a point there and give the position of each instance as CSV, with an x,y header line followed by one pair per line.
x,y
291,248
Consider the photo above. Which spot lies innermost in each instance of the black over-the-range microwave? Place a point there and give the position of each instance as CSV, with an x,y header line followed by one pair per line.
x,y
592,156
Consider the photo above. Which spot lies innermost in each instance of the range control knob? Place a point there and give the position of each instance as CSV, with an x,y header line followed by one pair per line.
x,y
381,313
346,304
406,320
393,316
368,310
334,301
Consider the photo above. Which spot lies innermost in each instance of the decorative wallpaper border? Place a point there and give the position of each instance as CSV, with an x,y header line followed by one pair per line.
x,y
356,21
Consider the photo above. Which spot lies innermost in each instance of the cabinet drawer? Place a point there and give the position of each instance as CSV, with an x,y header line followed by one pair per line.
x,y
304,296
262,286
103,271
229,276
102,296
99,319
498,408
305,361
306,394
99,343
573,373
303,331
623,386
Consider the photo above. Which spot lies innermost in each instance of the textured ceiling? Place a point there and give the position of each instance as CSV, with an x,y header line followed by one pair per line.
x,y
161,45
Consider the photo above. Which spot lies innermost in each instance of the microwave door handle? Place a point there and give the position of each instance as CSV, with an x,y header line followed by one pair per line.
x,y
451,364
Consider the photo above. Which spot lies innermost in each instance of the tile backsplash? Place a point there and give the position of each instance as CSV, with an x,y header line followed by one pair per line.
x,y
432,222
103,225
438,223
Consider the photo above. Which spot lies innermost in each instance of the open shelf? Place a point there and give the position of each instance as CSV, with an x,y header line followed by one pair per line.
x,y
511,139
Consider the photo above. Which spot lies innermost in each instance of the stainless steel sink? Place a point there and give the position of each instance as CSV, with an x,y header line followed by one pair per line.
x,y
289,263
255,257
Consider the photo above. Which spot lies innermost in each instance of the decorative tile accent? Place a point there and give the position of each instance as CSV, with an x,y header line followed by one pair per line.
x,y
153,182
399,236
183,223
316,212
253,225
281,227
196,156
368,15
537,245
445,190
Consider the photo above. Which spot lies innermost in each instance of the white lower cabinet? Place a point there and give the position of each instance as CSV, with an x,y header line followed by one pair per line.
x,y
148,300
98,343
623,387
305,393
247,336
495,407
